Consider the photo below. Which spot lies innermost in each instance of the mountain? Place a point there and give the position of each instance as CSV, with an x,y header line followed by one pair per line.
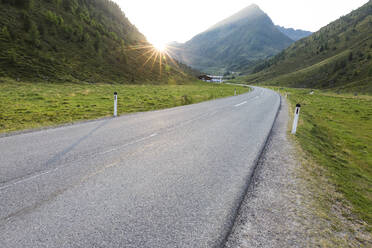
x,y
76,40
234,43
294,34
338,56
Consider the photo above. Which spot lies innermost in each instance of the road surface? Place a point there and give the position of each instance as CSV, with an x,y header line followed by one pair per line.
x,y
168,178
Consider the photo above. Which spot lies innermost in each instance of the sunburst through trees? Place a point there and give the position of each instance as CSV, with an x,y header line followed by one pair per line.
x,y
158,56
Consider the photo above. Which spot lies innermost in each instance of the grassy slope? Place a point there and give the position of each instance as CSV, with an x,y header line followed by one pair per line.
x,y
339,56
30,105
336,131
76,40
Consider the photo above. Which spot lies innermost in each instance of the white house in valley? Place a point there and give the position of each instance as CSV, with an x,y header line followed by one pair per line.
x,y
211,78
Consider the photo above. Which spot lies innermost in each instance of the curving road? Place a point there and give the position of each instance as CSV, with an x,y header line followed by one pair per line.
x,y
168,178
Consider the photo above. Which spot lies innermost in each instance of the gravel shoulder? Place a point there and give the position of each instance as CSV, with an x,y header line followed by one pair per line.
x,y
290,203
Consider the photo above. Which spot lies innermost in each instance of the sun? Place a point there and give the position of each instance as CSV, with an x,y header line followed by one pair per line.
x,y
160,46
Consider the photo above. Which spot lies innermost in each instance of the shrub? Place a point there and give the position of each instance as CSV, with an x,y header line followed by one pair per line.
x,y
52,18
34,34
4,33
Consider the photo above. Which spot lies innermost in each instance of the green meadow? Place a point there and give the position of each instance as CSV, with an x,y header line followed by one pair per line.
x,y
336,131
26,105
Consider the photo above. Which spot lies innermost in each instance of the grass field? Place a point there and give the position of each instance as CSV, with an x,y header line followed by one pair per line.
x,y
31,105
336,131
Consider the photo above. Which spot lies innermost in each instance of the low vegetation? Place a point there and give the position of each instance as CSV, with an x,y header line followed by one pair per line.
x,y
336,132
25,105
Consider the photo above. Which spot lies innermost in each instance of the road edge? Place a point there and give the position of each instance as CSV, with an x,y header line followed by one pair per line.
x,y
250,177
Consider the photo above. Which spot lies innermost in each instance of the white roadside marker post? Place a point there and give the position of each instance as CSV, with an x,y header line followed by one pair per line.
x,y
235,92
115,104
295,120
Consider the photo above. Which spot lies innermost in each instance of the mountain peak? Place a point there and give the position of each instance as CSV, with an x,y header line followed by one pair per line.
x,y
250,12
253,6
236,42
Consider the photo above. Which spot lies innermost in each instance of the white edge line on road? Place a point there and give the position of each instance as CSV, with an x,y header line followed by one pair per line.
x,y
240,104
55,169
27,179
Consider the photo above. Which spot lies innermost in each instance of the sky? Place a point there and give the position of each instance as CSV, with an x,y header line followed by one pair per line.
x,y
163,21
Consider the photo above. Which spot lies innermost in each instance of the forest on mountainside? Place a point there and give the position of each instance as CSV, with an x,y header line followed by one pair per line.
x,y
77,40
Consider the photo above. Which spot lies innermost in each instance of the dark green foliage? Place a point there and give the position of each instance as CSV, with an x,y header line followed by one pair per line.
x,y
34,34
4,34
75,40
26,4
235,43
334,57
350,56
70,5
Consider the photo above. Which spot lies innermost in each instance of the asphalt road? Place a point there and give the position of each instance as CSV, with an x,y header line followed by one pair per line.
x,y
168,178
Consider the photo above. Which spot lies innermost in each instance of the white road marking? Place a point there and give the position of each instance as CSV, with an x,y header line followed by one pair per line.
x,y
240,104
128,144
28,178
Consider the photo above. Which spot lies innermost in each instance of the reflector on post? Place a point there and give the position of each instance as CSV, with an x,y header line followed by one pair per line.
x,y
296,117
115,104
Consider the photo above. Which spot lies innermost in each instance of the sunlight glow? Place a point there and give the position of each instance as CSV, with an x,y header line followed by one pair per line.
x,y
156,54
160,46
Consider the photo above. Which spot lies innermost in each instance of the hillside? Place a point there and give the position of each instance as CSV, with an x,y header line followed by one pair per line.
x,y
338,57
234,43
294,34
76,40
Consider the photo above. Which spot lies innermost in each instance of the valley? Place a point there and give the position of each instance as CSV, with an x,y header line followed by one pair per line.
x,y
200,153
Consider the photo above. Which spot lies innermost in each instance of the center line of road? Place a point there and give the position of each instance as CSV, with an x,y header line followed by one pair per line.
x,y
240,104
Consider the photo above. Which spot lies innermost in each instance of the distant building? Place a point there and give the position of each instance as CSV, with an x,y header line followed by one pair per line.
x,y
217,79
210,78
205,78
